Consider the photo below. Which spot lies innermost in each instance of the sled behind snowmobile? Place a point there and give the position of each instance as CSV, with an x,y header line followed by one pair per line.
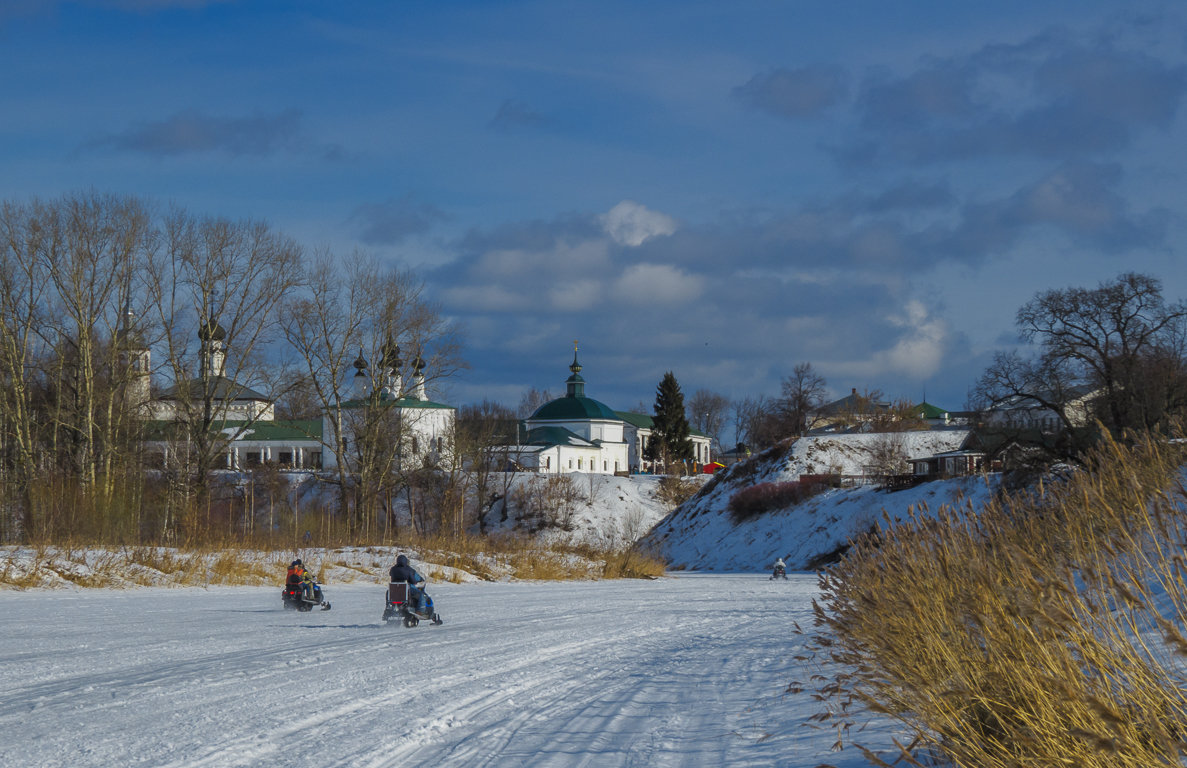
x,y
293,597
401,606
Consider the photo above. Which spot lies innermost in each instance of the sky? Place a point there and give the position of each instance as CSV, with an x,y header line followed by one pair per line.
x,y
720,190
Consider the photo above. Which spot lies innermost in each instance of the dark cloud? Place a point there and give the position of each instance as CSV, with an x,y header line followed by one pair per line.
x,y
1051,96
796,94
941,90
513,115
1079,199
393,221
191,132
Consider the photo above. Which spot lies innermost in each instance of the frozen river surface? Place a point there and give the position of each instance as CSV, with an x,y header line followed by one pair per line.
x,y
683,671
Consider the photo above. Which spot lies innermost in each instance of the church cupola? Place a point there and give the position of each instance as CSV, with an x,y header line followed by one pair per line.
x,y
389,365
418,379
360,375
575,385
213,350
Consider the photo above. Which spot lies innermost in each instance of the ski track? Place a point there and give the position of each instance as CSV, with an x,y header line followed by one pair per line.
x,y
684,671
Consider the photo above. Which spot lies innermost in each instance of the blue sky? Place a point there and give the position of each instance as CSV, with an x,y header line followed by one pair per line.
x,y
722,190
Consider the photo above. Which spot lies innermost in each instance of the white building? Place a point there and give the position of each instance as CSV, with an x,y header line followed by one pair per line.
x,y
576,433
422,428
246,419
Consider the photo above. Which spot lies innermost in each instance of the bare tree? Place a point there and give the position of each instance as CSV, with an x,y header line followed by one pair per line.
x,y
801,396
482,429
345,326
1114,352
217,289
707,412
531,401
1111,337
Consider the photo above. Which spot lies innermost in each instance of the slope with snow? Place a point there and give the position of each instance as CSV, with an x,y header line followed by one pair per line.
x,y
606,511
701,534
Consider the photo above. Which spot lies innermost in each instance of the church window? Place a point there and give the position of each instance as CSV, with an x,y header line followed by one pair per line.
x,y
547,462
604,466
415,445
578,462
570,463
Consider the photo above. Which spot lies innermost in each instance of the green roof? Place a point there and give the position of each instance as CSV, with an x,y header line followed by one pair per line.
x,y
926,410
643,421
278,431
555,436
574,408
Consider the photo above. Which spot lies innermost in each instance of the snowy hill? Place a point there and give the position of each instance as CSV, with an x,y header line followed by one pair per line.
x,y
702,535
603,511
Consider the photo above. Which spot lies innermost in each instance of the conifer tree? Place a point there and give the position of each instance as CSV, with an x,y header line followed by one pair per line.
x,y
669,441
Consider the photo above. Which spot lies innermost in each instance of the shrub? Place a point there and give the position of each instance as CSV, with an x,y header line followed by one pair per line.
x,y
675,491
756,500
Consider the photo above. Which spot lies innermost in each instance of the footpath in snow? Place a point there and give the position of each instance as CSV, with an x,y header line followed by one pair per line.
x,y
683,671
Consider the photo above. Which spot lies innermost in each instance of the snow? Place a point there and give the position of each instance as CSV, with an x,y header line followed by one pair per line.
x,y
683,671
702,536
608,511
850,454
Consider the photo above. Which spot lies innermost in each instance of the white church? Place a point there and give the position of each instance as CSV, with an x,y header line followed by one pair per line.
x,y
247,419
576,433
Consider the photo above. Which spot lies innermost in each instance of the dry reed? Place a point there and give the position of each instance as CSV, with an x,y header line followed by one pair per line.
x,y
1045,629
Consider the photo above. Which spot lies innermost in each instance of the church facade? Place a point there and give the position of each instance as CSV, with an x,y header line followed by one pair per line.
x,y
577,433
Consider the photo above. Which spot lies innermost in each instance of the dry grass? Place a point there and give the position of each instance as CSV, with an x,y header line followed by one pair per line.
x,y
1019,635
449,559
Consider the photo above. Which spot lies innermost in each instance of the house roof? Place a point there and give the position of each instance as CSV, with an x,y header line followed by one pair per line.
x,y
926,410
222,389
645,421
851,402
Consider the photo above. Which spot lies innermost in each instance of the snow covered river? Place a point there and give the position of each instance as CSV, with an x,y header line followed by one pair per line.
x,y
683,671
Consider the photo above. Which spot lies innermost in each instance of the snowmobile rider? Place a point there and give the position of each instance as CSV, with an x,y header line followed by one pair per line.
x,y
780,569
299,577
402,571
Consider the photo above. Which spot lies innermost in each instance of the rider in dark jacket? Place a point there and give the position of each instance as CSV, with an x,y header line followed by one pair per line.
x,y
402,571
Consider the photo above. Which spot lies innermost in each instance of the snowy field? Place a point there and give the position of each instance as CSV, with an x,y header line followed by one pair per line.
x,y
683,671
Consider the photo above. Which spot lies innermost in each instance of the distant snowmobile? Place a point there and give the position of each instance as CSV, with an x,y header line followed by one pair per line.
x,y
293,597
402,605
780,570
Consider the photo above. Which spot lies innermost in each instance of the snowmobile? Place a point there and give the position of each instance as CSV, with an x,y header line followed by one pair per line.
x,y
780,572
401,605
293,597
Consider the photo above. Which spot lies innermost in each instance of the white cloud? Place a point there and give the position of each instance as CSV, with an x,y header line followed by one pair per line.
x,y
629,223
917,354
644,284
576,295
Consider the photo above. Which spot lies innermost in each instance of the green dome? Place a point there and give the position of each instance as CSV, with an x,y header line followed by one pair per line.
x,y
574,408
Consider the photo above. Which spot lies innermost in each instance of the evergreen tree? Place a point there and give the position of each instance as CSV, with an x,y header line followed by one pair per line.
x,y
669,441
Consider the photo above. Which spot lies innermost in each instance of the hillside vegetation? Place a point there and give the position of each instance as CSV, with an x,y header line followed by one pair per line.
x,y
1041,629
